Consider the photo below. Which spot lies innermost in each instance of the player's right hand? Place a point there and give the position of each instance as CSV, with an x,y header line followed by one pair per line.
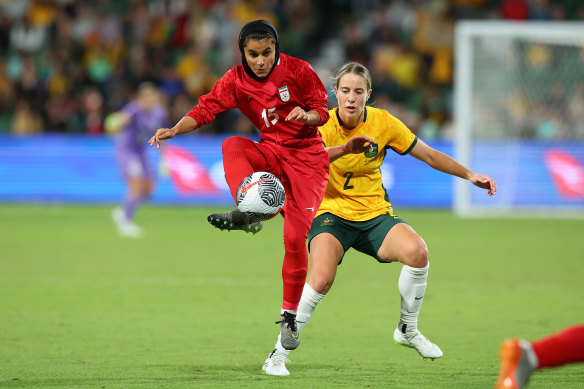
x,y
485,182
358,145
161,134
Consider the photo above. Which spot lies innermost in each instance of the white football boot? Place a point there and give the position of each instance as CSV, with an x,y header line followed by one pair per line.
x,y
275,364
126,228
130,230
414,339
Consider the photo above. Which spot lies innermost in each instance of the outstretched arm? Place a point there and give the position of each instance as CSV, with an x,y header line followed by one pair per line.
x,y
356,145
221,98
446,164
186,124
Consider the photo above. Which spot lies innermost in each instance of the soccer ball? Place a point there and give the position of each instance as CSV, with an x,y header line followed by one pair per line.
x,y
260,195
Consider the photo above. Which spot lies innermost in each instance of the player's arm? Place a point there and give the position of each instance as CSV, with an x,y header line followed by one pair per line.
x,y
447,164
356,145
221,98
186,124
315,95
312,118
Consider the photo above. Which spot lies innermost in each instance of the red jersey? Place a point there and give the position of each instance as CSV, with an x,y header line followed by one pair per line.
x,y
293,82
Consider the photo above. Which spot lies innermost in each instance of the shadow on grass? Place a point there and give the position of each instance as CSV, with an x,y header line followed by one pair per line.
x,y
234,375
152,376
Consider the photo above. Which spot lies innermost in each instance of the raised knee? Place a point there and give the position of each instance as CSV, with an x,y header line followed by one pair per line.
x,y
232,143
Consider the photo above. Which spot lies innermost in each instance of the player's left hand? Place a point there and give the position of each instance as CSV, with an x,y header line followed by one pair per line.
x,y
358,145
485,182
298,114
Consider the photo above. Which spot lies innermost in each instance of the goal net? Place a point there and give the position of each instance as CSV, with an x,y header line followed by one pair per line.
x,y
519,117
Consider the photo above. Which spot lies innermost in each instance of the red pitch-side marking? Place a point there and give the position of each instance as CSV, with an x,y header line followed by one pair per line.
x,y
566,172
245,188
188,175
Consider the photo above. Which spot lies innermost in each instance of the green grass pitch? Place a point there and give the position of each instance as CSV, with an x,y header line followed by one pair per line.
x,y
191,306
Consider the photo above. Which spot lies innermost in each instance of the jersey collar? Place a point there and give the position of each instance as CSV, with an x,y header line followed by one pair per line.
x,y
341,122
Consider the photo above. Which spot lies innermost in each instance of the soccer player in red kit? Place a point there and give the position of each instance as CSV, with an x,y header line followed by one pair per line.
x,y
520,358
286,101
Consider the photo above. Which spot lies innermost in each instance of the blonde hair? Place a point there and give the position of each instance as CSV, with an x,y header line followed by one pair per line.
x,y
355,68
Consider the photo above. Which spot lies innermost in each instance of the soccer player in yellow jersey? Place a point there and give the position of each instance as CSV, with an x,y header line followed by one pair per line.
x,y
356,212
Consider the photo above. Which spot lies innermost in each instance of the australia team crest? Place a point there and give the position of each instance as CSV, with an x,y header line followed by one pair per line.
x,y
373,150
284,93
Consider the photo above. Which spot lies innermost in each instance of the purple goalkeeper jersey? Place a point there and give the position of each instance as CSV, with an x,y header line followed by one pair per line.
x,y
141,127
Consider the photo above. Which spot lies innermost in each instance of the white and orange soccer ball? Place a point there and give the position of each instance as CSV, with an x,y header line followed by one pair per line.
x,y
260,195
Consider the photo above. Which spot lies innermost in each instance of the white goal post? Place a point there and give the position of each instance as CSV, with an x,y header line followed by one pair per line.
x,y
519,117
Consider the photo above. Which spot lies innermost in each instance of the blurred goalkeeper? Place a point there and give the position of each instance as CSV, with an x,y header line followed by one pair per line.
x,y
134,123
356,212
284,98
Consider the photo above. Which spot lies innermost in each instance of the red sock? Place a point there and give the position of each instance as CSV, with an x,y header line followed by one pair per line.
x,y
558,349
294,271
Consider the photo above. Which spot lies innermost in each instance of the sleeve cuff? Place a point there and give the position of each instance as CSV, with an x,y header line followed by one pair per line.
x,y
324,117
195,113
411,147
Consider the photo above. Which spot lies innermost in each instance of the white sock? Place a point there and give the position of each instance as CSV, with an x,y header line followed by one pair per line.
x,y
308,302
412,286
279,348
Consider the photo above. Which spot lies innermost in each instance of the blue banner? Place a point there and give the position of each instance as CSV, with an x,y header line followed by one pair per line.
x,y
530,174
189,170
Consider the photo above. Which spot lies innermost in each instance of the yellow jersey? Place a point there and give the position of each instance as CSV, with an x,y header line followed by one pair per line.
x,y
355,191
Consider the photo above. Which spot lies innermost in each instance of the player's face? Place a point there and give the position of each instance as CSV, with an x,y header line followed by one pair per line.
x,y
260,56
352,95
149,99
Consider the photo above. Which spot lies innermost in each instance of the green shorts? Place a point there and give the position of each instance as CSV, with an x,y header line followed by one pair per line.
x,y
366,236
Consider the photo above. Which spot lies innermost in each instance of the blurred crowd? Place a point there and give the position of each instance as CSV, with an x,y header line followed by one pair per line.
x,y
66,64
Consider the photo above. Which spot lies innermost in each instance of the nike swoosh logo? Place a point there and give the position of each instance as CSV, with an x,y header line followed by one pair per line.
x,y
418,298
245,188
310,208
